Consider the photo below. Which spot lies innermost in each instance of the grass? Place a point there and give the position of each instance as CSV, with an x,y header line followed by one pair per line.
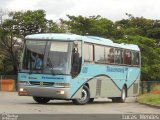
x,y
152,98
156,87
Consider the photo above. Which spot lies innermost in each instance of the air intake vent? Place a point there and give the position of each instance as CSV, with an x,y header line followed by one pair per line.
x,y
135,88
98,88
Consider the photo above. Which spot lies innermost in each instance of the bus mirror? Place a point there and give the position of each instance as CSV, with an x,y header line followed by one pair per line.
x,y
76,58
76,43
75,64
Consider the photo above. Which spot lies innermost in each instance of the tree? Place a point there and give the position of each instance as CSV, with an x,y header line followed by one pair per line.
x,y
55,27
28,22
139,26
9,45
15,29
2,13
93,25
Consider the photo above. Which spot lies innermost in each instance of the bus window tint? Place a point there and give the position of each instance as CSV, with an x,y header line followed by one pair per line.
x,y
57,59
88,52
118,56
127,57
99,54
33,55
109,54
135,58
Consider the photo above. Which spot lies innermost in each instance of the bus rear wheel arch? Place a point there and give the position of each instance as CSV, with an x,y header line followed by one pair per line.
x,y
85,96
41,100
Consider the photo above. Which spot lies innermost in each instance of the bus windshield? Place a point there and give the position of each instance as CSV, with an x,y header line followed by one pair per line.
x,y
52,57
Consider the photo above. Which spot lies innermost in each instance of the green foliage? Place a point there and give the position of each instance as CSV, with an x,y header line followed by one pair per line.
x,y
54,27
28,22
8,48
31,22
156,87
152,98
93,25
16,28
154,33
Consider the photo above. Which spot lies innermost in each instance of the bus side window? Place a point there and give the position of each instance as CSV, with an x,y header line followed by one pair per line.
x,y
118,56
88,52
135,58
109,54
127,57
99,54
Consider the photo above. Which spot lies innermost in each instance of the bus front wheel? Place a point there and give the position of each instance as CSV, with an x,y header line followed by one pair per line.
x,y
85,97
41,100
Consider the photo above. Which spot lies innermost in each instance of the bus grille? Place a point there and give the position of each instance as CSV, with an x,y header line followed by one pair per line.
x,y
41,83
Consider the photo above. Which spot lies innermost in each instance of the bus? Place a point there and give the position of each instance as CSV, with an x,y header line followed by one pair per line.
x,y
58,66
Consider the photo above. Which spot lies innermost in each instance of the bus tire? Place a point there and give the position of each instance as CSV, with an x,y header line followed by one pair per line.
x,y
85,97
122,99
91,100
41,100
114,99
123,96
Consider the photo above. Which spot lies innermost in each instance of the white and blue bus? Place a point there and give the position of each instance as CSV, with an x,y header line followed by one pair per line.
x,y
78,68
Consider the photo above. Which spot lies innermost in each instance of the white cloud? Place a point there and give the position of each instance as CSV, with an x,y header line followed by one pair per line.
x,y
116,9
111,9
22,4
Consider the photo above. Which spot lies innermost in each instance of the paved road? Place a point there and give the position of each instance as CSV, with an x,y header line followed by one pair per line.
x,y
11,103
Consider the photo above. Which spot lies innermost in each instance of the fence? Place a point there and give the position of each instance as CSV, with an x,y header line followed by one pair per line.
x,y
147,86
8,82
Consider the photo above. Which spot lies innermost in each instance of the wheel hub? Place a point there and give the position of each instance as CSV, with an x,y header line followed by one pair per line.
x,y
84,95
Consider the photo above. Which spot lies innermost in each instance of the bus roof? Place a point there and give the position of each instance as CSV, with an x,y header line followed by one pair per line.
x,y
73,37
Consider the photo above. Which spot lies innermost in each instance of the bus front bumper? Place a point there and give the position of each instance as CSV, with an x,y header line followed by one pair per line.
x,y
51,92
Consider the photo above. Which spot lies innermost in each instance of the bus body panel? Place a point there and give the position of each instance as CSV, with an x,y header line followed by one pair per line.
x,y
134,89
107,80
101,86
50,92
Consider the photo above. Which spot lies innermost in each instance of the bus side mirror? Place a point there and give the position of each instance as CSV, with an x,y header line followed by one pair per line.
x,y
76,58
75,64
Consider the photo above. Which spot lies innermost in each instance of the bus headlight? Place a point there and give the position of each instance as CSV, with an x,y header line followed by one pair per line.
x,y
60,92
21,89
63,85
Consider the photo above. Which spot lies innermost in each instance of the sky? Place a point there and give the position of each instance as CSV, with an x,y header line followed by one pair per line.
x,y
110,9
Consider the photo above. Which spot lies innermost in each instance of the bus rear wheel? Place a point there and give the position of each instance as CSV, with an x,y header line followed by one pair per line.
x,y
123,96
41,100
85,97
91,100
